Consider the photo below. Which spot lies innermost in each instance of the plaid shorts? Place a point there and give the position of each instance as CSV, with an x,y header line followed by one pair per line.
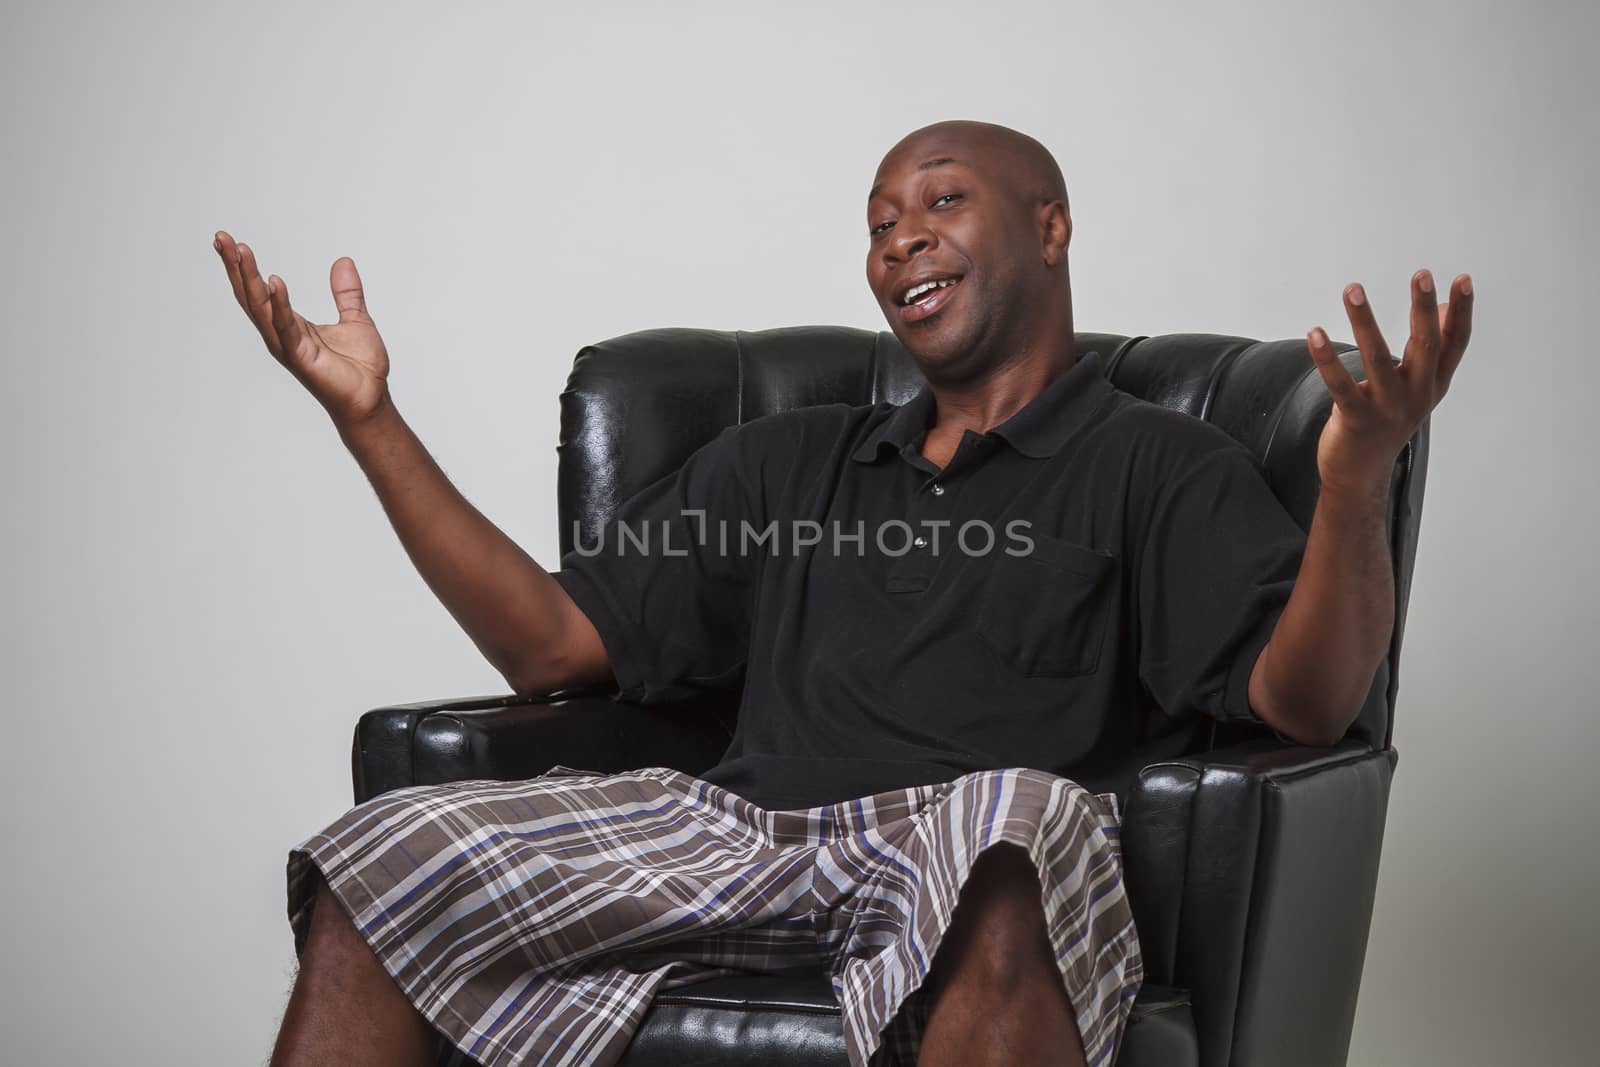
x,y
533,921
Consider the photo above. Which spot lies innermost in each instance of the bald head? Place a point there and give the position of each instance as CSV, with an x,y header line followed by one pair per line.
x,y
1025,167
968,230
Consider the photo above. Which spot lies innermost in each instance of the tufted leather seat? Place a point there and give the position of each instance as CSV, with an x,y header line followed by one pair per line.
x,y
1251,866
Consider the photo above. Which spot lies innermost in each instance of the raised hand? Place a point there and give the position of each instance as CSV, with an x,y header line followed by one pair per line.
x,y
1372,420
343,364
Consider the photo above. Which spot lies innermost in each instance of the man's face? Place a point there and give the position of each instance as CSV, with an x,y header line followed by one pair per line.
x,y
948,243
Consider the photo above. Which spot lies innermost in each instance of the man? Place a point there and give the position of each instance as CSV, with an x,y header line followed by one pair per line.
x,y
896,807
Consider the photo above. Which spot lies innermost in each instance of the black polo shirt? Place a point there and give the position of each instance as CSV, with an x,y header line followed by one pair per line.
x,y
1075,591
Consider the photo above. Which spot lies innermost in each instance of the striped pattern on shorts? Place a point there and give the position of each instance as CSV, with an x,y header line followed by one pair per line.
x,y
532,922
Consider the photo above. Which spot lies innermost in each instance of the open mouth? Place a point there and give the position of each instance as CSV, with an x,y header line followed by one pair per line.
x,y
927,298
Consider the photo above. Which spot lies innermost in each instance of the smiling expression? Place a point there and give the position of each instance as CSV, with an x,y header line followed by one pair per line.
x,y
959,255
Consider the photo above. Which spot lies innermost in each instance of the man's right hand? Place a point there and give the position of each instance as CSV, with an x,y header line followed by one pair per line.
x,y
520,618
343,364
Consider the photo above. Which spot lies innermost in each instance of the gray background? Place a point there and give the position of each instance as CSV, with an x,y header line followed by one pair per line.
x,y
201,593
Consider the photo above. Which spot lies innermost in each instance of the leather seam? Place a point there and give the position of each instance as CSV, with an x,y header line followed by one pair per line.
x,y
1277,416
1355,759
1250,904
1128,344
1199,768
872,368
411,747
717,1005
1251,912
1188,862
1214,379
1160,1009
738,377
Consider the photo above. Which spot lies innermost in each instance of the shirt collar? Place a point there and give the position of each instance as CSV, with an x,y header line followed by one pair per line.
x,y
1039,430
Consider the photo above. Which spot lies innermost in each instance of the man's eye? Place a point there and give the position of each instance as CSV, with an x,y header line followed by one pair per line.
x,y
947,196
879,228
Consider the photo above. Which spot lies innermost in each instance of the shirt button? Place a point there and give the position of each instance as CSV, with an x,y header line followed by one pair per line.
x,y
920,542
938,490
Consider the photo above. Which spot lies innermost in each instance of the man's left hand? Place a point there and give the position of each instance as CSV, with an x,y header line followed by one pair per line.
x,y
1372,420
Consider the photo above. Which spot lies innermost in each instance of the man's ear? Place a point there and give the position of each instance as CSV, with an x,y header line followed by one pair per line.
x,y
1055,232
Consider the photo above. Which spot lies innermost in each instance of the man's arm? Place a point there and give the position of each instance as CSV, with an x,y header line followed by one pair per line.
x,y
520,618
1314,672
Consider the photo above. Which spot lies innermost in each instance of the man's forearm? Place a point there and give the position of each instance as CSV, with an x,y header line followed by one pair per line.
x,y
1314,673
509,605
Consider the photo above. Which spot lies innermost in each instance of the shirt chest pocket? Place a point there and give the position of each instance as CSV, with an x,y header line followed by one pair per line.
x,y
1046,613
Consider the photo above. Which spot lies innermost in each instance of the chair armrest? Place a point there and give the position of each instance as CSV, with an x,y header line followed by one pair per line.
x,y
1251,871
511,737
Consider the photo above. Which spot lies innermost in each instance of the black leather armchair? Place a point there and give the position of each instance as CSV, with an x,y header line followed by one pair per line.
x,y
1251,864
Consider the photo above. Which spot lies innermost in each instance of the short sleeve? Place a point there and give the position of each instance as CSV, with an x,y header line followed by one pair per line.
x,y
1219,558
664,584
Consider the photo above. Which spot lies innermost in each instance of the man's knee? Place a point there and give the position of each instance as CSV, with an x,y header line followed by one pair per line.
x,y
998,935
1006,887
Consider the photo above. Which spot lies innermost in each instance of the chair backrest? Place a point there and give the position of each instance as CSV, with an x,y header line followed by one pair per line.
x,y
638,405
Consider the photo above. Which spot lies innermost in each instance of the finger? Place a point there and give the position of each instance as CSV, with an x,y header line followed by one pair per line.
x,y
299,347
1420,361
1455,329
229,251
347,293
256,303
1346,393
1375,355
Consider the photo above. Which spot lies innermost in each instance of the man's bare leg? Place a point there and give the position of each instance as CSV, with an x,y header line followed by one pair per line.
x,y
345,1008
998,996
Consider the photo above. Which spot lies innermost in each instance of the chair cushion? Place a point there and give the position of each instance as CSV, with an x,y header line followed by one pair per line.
x,y
741,1020
1160,1031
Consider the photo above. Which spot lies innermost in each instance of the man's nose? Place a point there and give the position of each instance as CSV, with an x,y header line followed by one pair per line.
x,y
909,237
